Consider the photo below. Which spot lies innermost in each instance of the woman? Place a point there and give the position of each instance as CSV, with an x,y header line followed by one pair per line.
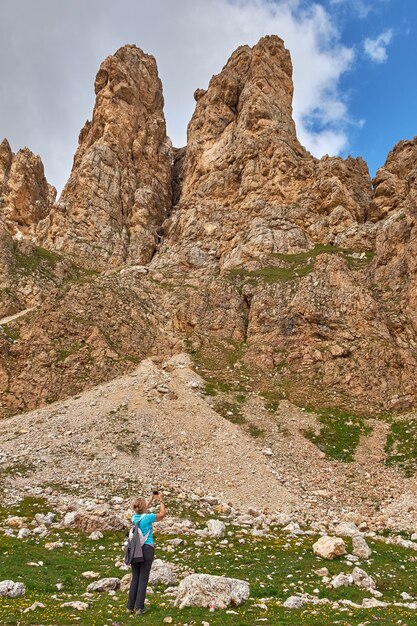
x,y
141,571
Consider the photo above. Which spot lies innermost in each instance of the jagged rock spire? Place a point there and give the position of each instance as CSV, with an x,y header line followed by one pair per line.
x,y
119,190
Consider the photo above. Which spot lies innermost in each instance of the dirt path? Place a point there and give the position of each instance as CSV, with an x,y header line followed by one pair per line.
x,y
16,316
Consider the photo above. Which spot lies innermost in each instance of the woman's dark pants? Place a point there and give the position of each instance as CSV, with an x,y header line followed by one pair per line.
x,y
140,577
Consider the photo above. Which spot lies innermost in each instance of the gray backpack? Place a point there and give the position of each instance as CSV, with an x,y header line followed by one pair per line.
x,y
134,543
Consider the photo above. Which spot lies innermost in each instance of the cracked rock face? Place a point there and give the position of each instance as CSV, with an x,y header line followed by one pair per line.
x,y
119,190
26,197
248,187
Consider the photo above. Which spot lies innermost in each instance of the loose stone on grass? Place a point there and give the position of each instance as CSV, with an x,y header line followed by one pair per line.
x,y
11,589
329,547
204,589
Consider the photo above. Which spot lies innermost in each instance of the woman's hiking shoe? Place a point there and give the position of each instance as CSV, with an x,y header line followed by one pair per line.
x,y
141,611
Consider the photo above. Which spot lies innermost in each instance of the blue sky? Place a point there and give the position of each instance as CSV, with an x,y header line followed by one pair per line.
x,y
354,66
381,92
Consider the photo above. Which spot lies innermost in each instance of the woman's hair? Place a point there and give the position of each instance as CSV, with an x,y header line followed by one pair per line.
x,y
139,505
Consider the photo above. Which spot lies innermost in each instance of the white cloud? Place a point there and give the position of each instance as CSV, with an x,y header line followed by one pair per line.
x,y
362,8
376,49
49,54
327,142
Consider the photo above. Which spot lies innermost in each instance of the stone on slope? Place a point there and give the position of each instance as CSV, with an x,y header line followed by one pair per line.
x,y
104,584
346,529
97,534
162,573
125,582
362,579
93,523
79,606
342,580
329,547
294,602
216,528
34,606
44,520
203,589
11,589
360,548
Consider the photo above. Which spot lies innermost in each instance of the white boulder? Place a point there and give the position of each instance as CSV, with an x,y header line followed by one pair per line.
x,y
360,548
329,547
44,520
80,606
203,589
125,582
346,529
34,606
162,573
69,518
294,602
362,579
372,603
104,584
342,580
216,528
95,535
11,589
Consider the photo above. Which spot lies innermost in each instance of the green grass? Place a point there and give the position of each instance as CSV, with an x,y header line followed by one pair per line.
x,y
293,266
275,567
17,469
214,387
255,431
11,333
40,259
340,432
45,261
272,399
401,446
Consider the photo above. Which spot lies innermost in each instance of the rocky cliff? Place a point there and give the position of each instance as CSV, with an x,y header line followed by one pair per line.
x,y
283,274
248,188
26,197
119,190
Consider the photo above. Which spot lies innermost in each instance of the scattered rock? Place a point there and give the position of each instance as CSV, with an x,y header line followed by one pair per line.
x,y
362,579
329,547
360,548
216,528
342,580
89,523
11,589
44,520
125,582
34,606
96,535
294,602
90,574
15,521
79,606
104,584
201,589
346,529
162,573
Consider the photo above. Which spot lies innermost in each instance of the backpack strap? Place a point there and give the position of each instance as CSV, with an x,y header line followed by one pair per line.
x,y
145,537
